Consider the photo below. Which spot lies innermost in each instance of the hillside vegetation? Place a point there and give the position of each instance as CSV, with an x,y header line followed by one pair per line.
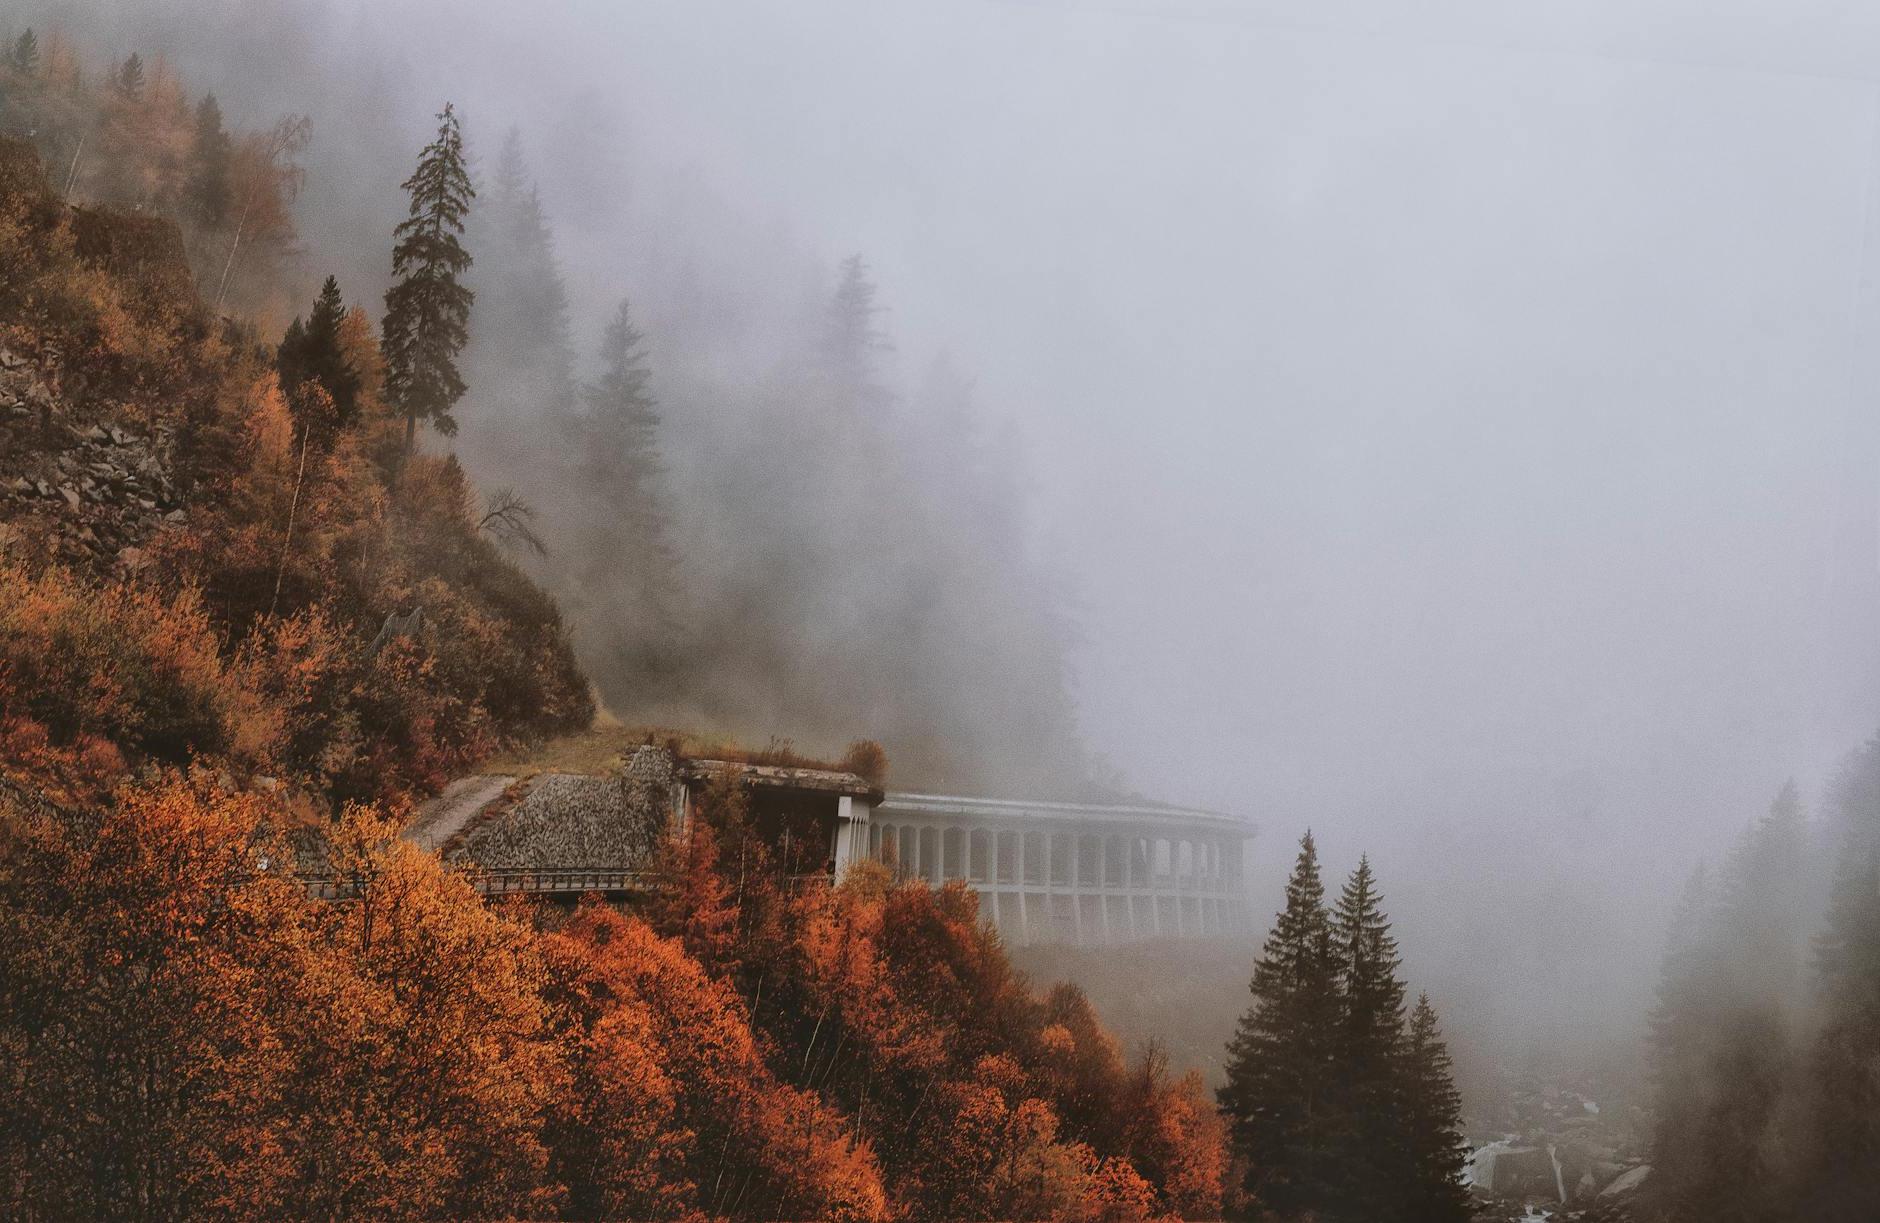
x,y
213,555
216,592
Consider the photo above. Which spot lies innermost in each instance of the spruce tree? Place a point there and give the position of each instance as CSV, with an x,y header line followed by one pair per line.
x,y
1843,1177
313,351
626,563
1678,1037
1281,1062
427,310
24,55
522,357
210,155
1369,1049
129,78
850,338
1432,1124
290,357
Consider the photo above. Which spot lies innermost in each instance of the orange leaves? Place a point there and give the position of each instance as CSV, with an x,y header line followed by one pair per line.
x,y
135,959
426,1005
84,666
758,1147
188,1035
186,1027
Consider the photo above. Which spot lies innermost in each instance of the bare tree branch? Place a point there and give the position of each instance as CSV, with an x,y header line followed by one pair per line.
x,y
511,521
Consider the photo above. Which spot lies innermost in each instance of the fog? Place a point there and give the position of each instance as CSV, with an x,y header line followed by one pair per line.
x,y
1447,427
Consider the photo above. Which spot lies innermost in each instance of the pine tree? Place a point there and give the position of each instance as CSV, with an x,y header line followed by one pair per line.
x,y
1281,1062
522,356
622,467
427,312
1370,1041
1432,1122
850,338
313,351
1720,1034
1843,1176
208,190
129,78
290,357
24,55
1678,1040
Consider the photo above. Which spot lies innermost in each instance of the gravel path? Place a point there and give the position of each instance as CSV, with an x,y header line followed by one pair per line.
x,y
444,816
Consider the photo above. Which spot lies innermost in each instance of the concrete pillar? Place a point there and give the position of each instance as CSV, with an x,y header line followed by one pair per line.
x,y
1077,892
1018,872
851,831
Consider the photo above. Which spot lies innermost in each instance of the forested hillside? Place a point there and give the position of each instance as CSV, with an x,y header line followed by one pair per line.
x,y
248,605
759,517
1766,1037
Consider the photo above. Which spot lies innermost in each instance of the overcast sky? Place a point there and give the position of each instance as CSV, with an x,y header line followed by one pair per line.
x,y
1453,419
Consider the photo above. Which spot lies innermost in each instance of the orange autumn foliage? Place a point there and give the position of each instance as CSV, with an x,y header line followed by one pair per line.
x,y
757,1147
91,675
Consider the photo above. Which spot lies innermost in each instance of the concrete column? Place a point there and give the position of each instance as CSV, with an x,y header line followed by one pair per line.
x,y
1018,875
851,832
1077,892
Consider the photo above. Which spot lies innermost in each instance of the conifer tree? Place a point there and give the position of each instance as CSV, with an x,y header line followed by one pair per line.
x,y
851,339
1369,1049
1432,1124
24,55
313,351
1843,1176
1720,1035
129,78
1281,1062
208,189
427,310
624,425
1678,1039
522,356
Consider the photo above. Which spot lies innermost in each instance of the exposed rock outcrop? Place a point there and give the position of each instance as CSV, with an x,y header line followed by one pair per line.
x,y
87,494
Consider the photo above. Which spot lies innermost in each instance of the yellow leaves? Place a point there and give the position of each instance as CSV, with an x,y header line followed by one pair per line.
x,y
1056,1041
119,664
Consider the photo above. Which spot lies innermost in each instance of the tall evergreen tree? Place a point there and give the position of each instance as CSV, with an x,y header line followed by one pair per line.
x,y
1432,1124
1842,1177
851,339
24,55
427,310
129,78
1369,1048
314,351
1721,1041
1678,1041
1281,1068
626,564
208,190
522,356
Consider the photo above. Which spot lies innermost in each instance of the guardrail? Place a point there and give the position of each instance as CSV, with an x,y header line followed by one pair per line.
x,y
559,880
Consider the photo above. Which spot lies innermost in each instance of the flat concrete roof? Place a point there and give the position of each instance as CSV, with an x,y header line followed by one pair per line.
x,y
786,777
1062,812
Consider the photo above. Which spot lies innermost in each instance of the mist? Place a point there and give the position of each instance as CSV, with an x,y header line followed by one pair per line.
x,y
1450,432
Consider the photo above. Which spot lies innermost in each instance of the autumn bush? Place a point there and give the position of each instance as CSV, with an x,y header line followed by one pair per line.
x,y
92,675
188,1035
250,636
893,1002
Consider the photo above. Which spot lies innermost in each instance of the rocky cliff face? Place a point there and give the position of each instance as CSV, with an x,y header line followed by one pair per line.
x,y
102,339
89,495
